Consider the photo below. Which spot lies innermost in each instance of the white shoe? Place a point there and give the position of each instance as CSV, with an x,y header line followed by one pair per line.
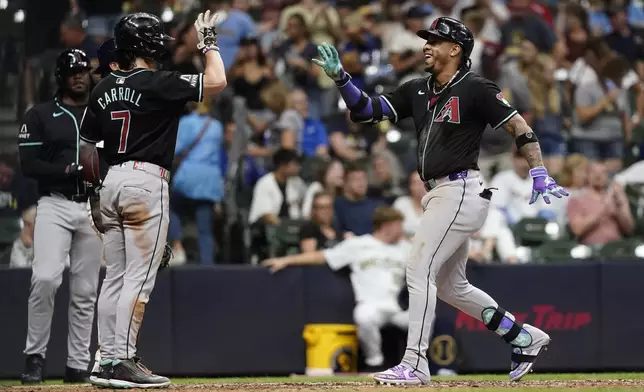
x,y
179,257
523,359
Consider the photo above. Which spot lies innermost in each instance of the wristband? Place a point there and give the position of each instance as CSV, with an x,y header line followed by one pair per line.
x,y
525,138
344,79
538,171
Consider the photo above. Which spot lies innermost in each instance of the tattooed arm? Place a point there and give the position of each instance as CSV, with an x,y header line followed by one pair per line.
x,y
516,126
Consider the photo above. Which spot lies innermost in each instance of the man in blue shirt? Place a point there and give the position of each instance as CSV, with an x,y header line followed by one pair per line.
x,y
353,210
233,26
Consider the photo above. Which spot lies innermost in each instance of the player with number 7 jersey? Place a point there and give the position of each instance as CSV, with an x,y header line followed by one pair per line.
x,y
135,111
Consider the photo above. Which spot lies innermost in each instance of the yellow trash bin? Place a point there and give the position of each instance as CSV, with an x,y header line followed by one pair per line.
x,y
331,348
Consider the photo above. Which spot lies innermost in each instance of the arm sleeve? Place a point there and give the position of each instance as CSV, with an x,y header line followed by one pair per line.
x,y
393,104
30,146
176,87
493,106
342,254
90,131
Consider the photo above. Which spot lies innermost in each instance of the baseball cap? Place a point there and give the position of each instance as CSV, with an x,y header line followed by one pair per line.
x,y
105,56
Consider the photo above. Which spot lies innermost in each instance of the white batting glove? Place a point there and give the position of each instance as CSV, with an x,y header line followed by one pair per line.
x,y
205,25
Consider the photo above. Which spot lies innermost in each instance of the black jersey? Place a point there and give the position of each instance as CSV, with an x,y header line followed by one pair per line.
x,y
48,143
449,126
136,114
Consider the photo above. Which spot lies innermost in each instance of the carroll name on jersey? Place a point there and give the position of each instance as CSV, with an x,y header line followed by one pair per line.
x,y
126,94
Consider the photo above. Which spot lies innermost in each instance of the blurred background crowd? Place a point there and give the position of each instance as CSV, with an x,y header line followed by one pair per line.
x,y
274,166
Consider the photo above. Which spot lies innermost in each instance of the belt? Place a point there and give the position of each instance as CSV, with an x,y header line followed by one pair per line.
x,y
78,198
147,167
434,182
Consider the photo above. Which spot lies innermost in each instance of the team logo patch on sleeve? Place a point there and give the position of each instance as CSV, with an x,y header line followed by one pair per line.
x,y
450,111
191,79
501,98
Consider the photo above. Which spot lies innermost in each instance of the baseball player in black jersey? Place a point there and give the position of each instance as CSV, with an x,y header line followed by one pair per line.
x,y
135,111
49,152
450,108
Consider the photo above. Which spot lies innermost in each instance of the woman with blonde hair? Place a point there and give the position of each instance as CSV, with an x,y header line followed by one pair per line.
x,y
574,173
548,120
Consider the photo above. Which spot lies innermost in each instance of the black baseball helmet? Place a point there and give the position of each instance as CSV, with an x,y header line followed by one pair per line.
x,y
105,56
141,34
452,30
68,62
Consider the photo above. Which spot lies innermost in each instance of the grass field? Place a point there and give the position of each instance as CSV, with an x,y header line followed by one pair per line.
x,y
479,383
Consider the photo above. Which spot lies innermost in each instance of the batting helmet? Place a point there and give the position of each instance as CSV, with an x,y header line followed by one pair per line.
x,y
452,30
105,56
141,34
68,62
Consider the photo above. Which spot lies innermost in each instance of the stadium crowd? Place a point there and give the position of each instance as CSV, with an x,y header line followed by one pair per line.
x,y
275,166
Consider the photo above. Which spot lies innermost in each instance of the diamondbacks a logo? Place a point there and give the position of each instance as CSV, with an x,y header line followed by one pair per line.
x,y
501,98
450,111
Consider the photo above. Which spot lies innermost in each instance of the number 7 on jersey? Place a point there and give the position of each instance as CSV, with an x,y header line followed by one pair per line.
x,y
124,117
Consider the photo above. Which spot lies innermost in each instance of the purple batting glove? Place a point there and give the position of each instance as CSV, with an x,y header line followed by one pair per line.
x,y
543,184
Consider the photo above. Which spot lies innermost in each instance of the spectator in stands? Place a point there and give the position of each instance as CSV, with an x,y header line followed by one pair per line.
x,y
384,182
600,120
574,175
279,193
351,141
301,131
101,16
237,25
547,121
495,14
17,194
354,209
293,62
377,261
318,233
525,25
268,28
403,45
22,252
410,206
624,39
73,36
197,182
602,213
361,43
250,74
475,21
329,179
576,31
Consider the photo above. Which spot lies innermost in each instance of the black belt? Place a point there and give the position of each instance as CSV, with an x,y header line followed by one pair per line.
x,y
78,198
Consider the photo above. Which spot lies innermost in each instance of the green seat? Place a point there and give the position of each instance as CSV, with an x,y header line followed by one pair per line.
x,y
531,232
284,238
635,195
9,230
621,250
559,251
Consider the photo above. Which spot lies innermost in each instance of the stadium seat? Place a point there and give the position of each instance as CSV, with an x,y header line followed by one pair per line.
x,y
621,250
9,230
534,231
561,251
635,195
284,238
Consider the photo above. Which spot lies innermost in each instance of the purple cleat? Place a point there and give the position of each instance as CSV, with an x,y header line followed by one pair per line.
x,y
399,375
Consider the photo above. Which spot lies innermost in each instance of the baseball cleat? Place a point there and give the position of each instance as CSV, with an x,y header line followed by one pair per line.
x,y
34,369
131,373
101,374
523,359
75,376
398,375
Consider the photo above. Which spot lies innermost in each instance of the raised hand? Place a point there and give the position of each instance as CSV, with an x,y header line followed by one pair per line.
x,y
205,26
544,185
330,62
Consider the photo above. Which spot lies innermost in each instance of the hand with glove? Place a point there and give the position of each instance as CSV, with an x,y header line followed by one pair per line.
x,y
330,62
205,26
73,169
544,185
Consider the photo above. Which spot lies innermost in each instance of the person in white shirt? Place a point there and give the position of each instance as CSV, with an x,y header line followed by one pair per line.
x,y
377,263
410,206
279,193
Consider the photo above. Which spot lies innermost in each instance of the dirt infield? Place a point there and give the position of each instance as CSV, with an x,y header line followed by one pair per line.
x,y
477,385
